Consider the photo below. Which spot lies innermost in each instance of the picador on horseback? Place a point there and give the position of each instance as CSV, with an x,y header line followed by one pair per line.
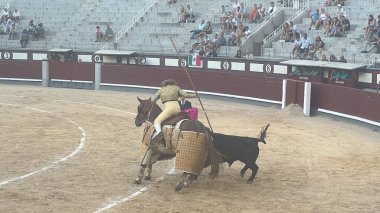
x,y
169,94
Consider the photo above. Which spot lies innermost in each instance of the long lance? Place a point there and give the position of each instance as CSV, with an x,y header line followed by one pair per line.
x,y
192,84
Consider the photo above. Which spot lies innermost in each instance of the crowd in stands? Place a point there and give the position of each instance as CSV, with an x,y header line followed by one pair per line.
x,y
10,23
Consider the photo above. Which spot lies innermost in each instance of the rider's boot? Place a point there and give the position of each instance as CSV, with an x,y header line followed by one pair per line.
x,y
158,135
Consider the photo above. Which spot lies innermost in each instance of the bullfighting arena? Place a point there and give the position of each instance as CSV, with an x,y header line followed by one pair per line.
x,y
67,150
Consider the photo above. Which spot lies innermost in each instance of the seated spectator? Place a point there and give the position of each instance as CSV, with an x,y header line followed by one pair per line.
x,y
201,27
32,28
261,12
109,34
297,45
172,2
371,23
271,8
189,13
207,30
99,34
8,25
337,28
239,33
253,15
221,41
40,32
340,12
242,13
329,25
232,40
4,16
324,58
342,59
314,17
286,32
322,19
24,38
230,24
16,16
305,45
293,30
346,26
333,58
12,32
318,45
223,17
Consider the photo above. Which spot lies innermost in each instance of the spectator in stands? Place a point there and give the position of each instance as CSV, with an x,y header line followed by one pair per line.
x,y
12,32
40,32
333,58
242,13
207,30
342,59
286,32
233,38
272,8
322,19
371,23
324,58
293,30
98,34
346,26
297,45
4,16
221,41
189,13
109,34
340,11
32,28
305,45
314,17
318,45
201,27
8,25
172,2
16,16
261,12
337,28
253,15
329,25
239,33
24,38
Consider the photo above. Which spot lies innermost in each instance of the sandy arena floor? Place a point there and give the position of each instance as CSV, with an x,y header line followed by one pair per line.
x,y
66,150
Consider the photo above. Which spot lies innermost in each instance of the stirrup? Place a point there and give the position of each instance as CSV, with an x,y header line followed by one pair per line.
x,y
158,137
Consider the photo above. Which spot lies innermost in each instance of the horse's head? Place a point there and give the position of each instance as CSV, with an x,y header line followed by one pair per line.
x,y
143,111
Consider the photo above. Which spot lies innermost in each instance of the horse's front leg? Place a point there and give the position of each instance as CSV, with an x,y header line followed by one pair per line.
x,y
140,175
148,172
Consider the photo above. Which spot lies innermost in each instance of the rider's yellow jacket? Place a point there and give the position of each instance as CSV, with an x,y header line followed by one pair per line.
x,y
171,93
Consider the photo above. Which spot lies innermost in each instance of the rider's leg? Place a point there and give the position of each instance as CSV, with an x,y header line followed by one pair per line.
x,y
172,108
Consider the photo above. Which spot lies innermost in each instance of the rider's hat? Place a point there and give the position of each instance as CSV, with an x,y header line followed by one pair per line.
x,y
168,81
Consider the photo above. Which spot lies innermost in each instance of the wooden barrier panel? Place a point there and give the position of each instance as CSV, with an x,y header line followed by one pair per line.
x,y
346,100
233,83
295,92
21,69
72,71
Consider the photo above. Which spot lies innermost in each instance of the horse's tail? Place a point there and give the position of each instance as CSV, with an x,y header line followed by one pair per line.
x,y
213,155
263,134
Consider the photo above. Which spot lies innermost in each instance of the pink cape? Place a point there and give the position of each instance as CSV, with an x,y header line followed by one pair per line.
x,y
192,113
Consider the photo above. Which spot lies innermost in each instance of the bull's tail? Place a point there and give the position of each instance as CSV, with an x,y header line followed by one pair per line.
x,y
263,134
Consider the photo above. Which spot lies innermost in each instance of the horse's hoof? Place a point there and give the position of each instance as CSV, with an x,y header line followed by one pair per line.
x,y
249,181
138,181
178,187
148,177
186,184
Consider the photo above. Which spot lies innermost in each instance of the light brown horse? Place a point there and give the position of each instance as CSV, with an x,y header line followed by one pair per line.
x,y
147,111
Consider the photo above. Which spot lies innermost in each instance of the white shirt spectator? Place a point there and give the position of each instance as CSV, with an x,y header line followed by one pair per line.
x,y
16,14
5,13
305,43
297,43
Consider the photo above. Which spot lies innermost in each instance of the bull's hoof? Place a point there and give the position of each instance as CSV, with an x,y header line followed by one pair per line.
x,y
138,181
147,177
178,187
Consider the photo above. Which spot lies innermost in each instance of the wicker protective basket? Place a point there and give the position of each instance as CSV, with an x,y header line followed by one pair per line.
x,y
191,153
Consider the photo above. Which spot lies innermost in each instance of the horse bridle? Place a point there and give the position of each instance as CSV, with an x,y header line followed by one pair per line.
x,y
147,116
